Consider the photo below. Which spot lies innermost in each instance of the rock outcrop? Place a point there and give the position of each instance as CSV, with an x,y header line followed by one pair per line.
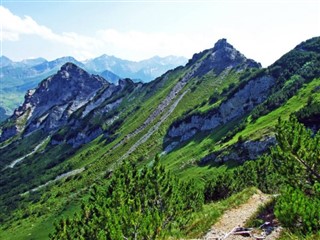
x,y
243,151
243,101
51,105
221,57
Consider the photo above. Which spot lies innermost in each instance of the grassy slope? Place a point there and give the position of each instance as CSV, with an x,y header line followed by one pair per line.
x,y
96,153
37,211
265,124
53,201
182,161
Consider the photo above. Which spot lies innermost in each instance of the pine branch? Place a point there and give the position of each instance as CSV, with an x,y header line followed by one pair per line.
x,y
317,175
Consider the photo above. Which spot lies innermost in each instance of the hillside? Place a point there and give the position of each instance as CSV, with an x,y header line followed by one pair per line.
x,y
204,119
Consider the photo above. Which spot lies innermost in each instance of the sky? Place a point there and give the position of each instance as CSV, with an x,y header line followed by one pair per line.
x,y
260,29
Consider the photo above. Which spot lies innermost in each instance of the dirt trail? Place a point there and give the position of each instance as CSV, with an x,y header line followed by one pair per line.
x,y
237,217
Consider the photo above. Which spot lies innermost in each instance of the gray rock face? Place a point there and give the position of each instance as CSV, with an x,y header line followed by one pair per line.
x,y
84,137
95,102
70,85
248,150
8,132
256,148
252,94
56,98
221,57
105,93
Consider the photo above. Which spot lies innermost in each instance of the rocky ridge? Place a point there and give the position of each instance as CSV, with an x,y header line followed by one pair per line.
x,y
241,151
51,105
243,101
221,57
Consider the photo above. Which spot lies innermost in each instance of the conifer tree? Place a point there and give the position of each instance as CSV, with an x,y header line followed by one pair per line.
x,y
137,204
297,153
297,156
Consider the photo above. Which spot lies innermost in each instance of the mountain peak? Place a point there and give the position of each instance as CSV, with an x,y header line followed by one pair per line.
x,y
69,66
56,98
221,44
72,72
65,58
70,84
2,57
125,82
221,57
4,61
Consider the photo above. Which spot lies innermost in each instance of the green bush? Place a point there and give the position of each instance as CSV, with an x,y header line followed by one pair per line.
x,y
297,211
297,157
137,204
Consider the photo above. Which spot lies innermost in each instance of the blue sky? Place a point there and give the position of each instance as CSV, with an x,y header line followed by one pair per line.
x,y
260,29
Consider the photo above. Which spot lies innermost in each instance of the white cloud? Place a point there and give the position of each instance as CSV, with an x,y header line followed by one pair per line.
x,y
134,45
142,44
262,45
13,27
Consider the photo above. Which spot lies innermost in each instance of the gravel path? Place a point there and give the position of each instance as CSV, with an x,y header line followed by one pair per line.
x,y
162,106
62,176
13,163
153,129
236,217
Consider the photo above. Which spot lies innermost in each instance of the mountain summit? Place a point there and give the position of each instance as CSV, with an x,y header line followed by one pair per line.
x,y
64,100
221,57
228,56
71,86
55,99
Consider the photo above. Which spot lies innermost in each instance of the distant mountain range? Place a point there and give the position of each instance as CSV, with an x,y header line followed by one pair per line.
x,y
145,70
17,77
